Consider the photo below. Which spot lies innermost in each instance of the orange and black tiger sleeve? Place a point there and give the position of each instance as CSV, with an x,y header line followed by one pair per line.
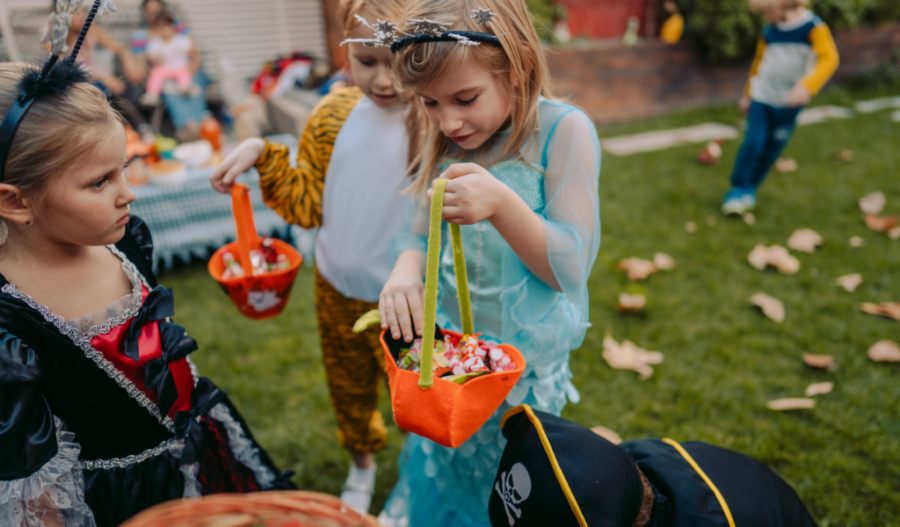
x,y
296,193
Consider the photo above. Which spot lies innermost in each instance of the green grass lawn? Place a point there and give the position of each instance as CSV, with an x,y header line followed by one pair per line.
x,y
723,359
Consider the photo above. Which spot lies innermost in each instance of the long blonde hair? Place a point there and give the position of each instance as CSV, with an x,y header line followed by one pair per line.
x,y
56,131
520,54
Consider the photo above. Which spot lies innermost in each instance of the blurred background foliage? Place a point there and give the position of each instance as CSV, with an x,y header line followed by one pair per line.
x,y
726,30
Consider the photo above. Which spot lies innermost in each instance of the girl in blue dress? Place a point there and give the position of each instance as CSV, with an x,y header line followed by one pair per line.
x,y
523,171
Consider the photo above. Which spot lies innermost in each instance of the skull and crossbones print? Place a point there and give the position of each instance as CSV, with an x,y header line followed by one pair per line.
x,y
514,488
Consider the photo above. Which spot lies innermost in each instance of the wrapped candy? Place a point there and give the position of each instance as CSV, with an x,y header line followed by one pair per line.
x,y
263,260
462,356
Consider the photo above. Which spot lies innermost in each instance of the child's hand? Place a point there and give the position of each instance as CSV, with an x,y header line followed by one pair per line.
x,y
473,194
242,159
798,96
744,105
404,295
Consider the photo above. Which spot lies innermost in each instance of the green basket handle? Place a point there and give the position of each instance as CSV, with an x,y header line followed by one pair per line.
x,y
426,376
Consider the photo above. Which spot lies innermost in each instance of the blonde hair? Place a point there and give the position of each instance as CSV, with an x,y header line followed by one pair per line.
x,y
56,131
520,54
385,10
760,5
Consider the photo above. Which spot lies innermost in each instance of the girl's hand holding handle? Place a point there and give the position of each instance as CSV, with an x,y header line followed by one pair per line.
x,y
242,159
404,295
473,194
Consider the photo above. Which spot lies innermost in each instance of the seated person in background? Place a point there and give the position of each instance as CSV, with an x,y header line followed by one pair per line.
x,y
555,472
171,55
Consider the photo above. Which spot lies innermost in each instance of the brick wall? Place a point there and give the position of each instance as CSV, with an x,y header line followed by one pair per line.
x,y
614,83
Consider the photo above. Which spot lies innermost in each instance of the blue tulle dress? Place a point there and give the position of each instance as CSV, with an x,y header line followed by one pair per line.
x,y
558,179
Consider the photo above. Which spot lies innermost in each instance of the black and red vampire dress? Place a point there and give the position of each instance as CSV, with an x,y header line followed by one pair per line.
x,y
105,415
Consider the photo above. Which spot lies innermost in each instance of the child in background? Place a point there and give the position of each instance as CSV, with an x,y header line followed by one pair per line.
x,y
351,168
171,55
673,27
795,58
523,184
103,413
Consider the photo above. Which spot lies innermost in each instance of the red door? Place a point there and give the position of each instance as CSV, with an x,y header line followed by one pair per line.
x,y
598,19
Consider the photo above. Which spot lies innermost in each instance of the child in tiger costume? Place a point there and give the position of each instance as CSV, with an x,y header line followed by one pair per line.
x,y
350,172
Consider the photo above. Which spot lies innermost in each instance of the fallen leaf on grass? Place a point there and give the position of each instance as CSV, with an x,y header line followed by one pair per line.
x,y
690,227
894,233
805,240
711,221
885,351
627,356
771,307
776,256
887,309
607,434
849,282
631,303
856,242
825,362
872,203
795,403
663,262
881,223
637,268
785,165
749,218
843,155
819,388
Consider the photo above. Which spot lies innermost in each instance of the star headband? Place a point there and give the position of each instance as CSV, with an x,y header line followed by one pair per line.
x,y
53,78
425,30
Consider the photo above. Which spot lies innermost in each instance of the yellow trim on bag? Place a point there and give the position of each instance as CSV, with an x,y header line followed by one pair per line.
x,y
703,475
549,450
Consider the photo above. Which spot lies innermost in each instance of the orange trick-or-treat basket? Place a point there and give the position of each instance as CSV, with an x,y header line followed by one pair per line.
x,y
424,403
261,296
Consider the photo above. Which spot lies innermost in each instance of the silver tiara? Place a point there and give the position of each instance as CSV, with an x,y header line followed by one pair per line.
x,y
386,34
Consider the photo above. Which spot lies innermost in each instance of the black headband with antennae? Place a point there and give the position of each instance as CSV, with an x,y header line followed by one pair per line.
x,y
448,36
33,92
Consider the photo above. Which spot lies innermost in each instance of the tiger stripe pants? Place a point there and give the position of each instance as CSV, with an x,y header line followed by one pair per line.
x,y
354,368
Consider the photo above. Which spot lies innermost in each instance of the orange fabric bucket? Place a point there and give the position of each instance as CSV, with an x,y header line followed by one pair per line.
x,y
257,297
425,404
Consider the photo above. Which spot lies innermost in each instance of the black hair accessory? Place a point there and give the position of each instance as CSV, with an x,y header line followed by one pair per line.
x,y
54,77
468,38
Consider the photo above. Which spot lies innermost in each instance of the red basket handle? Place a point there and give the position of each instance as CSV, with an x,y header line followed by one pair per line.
x,y
426,376
247,237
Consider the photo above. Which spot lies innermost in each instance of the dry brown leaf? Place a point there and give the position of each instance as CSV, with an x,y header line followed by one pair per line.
x,y
872,203
627,356
711,221
771,307
663,262
795,403
785,165
887,309
776,256
749,218
825,362
881,223
637,268
856,242
894,233
849,282
690,227
607,434
819,388
631,303
805,240
843,155
885,351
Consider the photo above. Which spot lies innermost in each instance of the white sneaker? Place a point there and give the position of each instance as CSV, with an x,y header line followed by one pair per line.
x,y
359,487
734,207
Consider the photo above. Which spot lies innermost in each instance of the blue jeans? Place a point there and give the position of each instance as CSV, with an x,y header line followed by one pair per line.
x,y
186,108
768,131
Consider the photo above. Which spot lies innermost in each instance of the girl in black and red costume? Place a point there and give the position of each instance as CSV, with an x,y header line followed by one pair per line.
x,y
102,412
